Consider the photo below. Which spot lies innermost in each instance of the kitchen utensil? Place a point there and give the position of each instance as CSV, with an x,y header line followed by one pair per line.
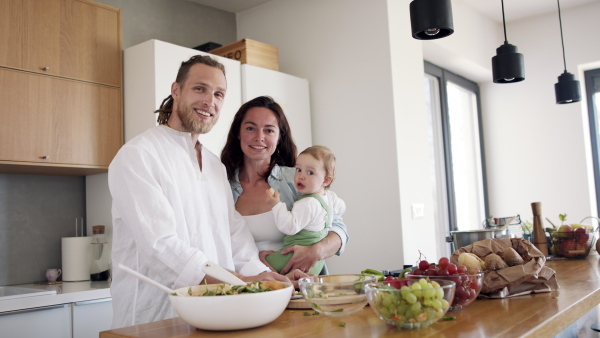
x,y
539,235
466,237
146,279
75,252
496,222
335,295
221,274
231,312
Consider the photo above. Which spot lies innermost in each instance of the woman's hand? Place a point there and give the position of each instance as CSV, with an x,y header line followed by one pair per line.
x,y
262,255
304,258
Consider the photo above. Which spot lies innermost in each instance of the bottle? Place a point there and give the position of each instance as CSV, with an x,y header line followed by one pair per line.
x,y
100,255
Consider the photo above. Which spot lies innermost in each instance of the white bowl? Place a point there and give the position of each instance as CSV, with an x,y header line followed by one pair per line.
x,y
231,312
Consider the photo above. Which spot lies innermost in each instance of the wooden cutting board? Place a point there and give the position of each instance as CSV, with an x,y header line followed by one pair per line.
x,y
299,303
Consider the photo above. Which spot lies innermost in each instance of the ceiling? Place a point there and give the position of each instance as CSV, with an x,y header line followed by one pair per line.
x,y
513,9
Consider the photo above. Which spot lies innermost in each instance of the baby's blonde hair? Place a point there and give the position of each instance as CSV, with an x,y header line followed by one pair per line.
x,y
324,155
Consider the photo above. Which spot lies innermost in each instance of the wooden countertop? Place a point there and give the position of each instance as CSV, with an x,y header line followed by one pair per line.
x,y
539,315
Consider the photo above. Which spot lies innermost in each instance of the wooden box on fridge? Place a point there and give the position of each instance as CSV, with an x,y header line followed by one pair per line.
x,y
250,52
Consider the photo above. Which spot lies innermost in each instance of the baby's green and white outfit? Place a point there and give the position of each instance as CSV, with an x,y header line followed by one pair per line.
x,y
306,224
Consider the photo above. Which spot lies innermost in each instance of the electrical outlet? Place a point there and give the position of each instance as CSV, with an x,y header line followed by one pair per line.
x,y
418,211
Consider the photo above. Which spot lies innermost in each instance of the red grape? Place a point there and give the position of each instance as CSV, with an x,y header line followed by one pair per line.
x,y
451,268
443,262
443,272
461,269
423,265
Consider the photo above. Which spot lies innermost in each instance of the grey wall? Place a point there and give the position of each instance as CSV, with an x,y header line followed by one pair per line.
x,y
36,211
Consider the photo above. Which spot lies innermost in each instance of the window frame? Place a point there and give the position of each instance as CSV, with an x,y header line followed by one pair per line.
x,y
443,77
590,90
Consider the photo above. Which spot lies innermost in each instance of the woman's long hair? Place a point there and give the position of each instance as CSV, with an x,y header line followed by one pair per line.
x,y
285,155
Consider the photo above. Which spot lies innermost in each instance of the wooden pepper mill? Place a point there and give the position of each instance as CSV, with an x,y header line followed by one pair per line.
x,y
539,235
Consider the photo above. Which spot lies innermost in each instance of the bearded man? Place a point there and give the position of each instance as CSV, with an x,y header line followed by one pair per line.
x,y
172,205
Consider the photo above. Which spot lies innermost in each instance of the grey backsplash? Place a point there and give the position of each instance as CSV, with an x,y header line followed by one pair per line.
x,y
36,211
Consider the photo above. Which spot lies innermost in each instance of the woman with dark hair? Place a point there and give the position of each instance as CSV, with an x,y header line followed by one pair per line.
x,y
260,154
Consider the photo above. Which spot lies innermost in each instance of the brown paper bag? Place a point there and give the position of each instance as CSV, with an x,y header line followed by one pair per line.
x,y
531,277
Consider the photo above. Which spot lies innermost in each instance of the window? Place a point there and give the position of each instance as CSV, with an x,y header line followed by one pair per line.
x,y
592,92
458,171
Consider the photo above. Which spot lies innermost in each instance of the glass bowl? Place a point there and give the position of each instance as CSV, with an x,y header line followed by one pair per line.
x,y
572,244
335,295
468,287
411,303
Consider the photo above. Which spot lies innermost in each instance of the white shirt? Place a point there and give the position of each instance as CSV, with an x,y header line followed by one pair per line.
x,y
168,219
307,213
265,232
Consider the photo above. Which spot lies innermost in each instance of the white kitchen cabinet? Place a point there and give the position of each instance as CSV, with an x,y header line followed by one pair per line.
x,y
85,319
92,317
291,92
48,322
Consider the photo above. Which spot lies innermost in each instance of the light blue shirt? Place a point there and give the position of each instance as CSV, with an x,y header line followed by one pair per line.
x,y
282,180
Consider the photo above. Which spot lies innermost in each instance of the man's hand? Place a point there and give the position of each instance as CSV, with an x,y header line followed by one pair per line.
x,y
263,258
266,276
304,258
295,275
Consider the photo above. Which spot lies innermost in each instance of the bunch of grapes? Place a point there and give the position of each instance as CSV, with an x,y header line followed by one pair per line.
x,y
468,280
410,304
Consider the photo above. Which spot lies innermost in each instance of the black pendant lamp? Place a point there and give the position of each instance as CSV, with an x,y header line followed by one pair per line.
x,y
431,19
567,89
507,65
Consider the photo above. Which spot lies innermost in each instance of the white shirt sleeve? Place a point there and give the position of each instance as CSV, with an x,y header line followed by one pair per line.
x,y
307,214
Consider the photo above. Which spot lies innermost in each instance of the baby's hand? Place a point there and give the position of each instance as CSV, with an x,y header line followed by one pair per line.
x,y
272,197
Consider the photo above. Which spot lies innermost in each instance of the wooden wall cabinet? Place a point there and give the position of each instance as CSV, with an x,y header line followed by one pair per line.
x,y
61,80
69,38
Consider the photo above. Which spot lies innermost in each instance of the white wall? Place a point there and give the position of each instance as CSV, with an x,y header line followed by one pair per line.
x,y
536,148
365,73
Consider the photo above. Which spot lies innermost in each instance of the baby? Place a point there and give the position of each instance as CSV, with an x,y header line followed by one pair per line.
x,y
310,218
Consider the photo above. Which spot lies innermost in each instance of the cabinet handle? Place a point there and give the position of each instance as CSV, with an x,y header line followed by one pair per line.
x,y
45,69
95,301
51,307
45,157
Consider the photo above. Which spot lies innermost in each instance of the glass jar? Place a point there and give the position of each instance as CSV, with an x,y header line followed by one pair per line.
x,y
100,255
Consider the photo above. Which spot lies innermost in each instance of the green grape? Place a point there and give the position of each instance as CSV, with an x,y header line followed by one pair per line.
x,y
409,314
384,312
402,307
409,297
427,301
429,293
416,287
416,307
424,283
439,293
436,304
444,303
387,302
435,284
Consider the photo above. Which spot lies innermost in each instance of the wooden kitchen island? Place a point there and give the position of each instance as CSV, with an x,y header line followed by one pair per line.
x,y
539,315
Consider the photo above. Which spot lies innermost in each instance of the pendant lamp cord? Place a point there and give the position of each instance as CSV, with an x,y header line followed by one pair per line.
x,y
561,36
504,23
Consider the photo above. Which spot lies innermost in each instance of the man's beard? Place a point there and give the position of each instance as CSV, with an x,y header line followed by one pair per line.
x,y
194,125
